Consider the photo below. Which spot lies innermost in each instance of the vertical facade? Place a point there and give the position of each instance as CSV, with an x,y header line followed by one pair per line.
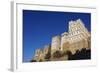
x,y
47,49
55,45
78,37
64,41
39,56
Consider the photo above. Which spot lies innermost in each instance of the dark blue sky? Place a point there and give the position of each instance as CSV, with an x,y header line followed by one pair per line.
x,y
40,26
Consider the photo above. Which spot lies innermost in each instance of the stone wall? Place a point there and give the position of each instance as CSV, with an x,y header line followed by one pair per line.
x,y
77,38
56,44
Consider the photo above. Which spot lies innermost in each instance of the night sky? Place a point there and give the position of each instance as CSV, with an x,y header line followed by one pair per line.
x,y
40,26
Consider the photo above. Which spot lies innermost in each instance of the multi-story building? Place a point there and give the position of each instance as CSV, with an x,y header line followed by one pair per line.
x,y
76,38
64,41
55,45
39,56
47,49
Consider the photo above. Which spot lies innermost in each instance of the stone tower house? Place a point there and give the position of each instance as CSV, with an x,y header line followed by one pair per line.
x,y
76,38
55,45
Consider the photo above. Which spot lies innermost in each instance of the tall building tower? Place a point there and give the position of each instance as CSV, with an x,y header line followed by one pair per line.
x,y
47,49
64,41
78,35
56,44
47,52
39,56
